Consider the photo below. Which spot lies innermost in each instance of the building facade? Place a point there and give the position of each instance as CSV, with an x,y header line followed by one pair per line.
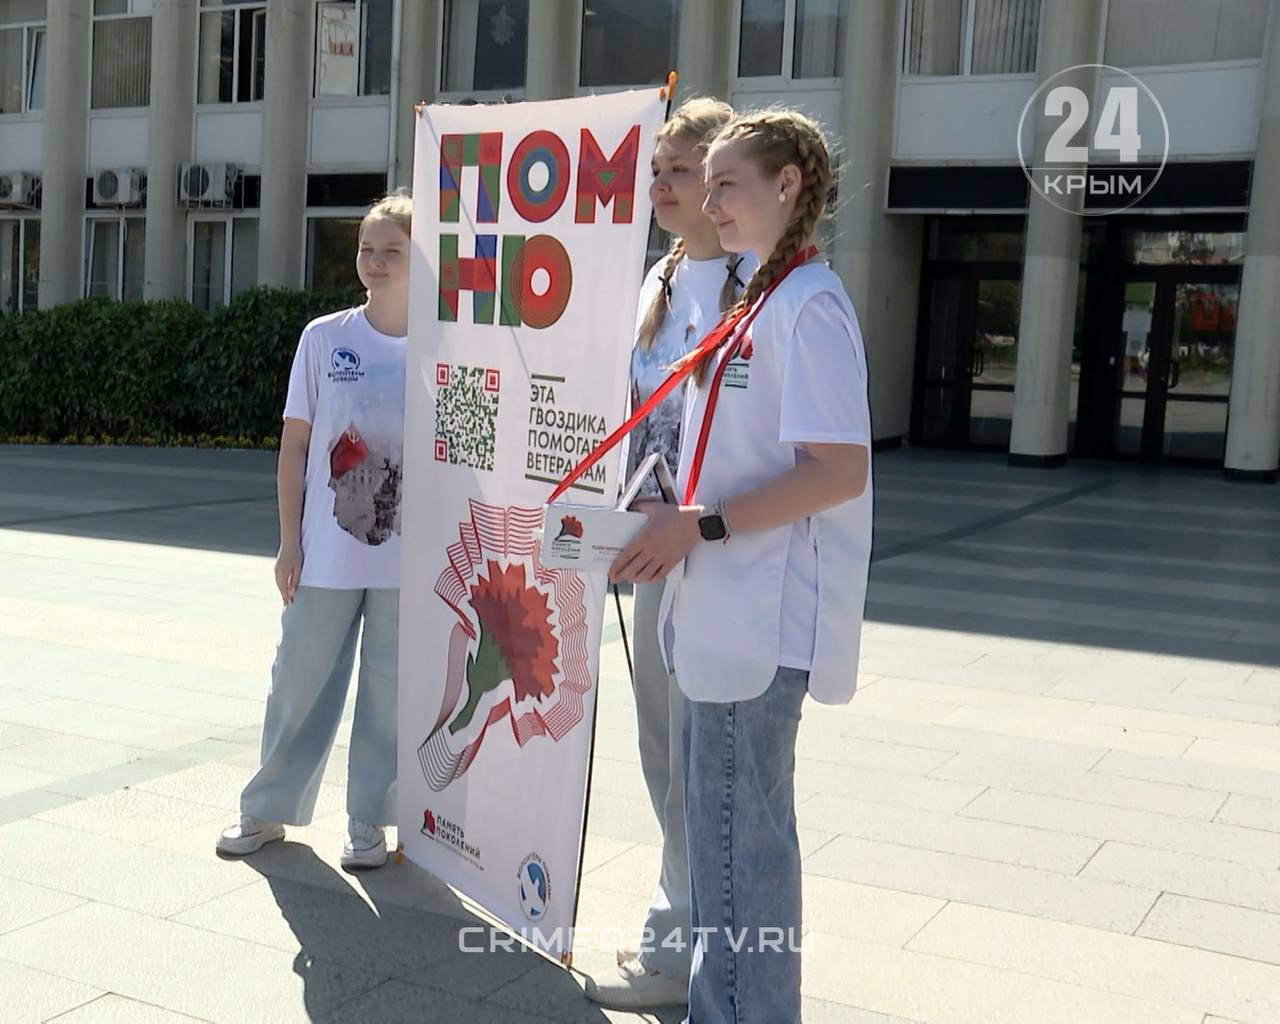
x,y
193,148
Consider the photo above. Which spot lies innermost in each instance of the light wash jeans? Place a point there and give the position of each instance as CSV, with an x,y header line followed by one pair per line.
x,y
309,683
660,712
744,855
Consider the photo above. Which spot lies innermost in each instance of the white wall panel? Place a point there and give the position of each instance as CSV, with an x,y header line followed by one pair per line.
x,y
21,144
352,135
229,135
118,141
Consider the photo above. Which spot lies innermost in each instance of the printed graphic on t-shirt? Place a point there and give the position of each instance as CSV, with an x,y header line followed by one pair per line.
x,y
366,445
364,475
660,430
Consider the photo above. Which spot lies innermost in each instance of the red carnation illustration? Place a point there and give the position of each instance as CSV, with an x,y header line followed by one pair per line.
x,y
518,621
516,640
570,527
428,822
348,453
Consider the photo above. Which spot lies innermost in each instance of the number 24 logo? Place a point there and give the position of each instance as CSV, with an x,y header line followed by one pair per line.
x,y
1117,129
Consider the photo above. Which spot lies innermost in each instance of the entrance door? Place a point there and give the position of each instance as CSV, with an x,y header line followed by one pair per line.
x,y
1173,368
967,361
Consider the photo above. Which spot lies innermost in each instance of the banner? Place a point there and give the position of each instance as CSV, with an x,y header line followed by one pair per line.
x,y
530,225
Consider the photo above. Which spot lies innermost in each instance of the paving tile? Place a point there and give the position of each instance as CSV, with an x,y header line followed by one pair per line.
x,y
107,870
22,904
1196,726
1215,926
1112,791
70,755
1187,875
133,815
114,725
1241,755
949,833
1251,812
402,1001
1141,828
114,1009
1191,771
924,793
14,778
1092,901
1081,731
369,935
33,996
13,735
1194,980
219,785
945,990
151,960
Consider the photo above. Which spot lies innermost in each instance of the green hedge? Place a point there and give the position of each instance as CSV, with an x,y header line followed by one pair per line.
x,y
158,371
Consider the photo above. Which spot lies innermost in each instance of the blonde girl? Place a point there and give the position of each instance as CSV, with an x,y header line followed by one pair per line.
x,y
338,568
682,298
775,538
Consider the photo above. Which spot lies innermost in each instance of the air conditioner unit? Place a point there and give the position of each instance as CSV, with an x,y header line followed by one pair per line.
x,y
207,184
120,187
18,188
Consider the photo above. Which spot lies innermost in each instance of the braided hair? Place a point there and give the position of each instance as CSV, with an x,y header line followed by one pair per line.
x,y
695,120
776,138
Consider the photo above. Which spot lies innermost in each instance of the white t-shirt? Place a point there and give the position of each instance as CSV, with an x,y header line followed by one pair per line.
x,y
694,308
348,383
794,595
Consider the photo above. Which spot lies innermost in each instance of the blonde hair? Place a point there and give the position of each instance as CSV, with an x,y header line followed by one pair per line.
x,y
396,207
774,139
696,120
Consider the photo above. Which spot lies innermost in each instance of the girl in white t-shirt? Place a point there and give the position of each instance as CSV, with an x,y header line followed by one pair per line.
x,y
338,569
682,298
775,542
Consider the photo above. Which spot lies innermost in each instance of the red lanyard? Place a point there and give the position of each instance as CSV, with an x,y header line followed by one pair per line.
x,y
731,330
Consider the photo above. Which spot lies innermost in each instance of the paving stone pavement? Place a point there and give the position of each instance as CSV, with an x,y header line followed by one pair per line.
x,y
1056,797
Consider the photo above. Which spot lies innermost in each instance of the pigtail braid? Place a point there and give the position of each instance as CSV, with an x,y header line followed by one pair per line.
x,y
661,303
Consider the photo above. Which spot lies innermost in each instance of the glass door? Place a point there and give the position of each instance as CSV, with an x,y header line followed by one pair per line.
x,y
967,362
1201,349
1174,369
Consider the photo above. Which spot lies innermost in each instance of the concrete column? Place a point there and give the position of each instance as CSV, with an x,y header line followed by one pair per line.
x,y
286,111
173,54
702,49
419,75
551,71
1051,264
1253,427
65,157
876,254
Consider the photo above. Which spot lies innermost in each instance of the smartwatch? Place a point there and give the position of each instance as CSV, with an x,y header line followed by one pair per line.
x,y
712,524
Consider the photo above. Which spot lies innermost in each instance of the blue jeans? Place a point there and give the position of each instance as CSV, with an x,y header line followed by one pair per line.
x,y
660,720
309,683
744,855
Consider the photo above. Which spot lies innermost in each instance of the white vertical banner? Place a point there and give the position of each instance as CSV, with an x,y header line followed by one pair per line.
x,y
530,225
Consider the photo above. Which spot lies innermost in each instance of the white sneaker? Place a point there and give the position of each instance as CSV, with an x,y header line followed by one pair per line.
x,y
250,836
366,846
638,988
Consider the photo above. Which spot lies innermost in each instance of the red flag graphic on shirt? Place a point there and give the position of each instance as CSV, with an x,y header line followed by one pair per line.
x,y
348,453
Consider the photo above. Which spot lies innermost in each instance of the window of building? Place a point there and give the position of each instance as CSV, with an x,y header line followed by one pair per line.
x,y
121,65
971,37
331,251
1143,33
790,39
353,48
115,249
19,264
625,43
233,47
22,35
224,259
486,44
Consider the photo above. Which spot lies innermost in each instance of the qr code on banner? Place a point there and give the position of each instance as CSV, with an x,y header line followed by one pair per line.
x,y
466,415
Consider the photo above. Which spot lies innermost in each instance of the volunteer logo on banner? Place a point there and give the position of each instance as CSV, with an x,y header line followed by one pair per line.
x,y
529,232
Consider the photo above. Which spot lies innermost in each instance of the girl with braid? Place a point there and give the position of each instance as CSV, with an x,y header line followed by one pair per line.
x,y
682,298
775,540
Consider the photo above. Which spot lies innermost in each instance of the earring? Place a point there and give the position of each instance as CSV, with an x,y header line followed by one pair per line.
x,y
782,197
